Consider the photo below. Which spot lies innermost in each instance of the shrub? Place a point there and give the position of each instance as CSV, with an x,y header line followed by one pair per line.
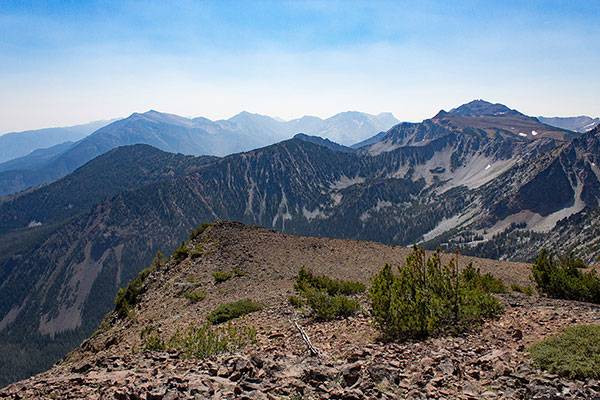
x,y
221,276
126,297
528,290
194,234
564,279
151,340
428,298
194,296
200,342
488,283
239,272
229,311
206,341
306,279
326,307
181,252
194,281
195,254
573,353
326,297
296,301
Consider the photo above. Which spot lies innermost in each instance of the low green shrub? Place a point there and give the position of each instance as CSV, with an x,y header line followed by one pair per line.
x,y
564,279
194,234
326,307
206,341
194,296
229,311
573,353
200,342
194,281
127,297
296,301
427,298
306,279
326,297
221,277
488,283
196,254
151,340
181,252
528,290
239,272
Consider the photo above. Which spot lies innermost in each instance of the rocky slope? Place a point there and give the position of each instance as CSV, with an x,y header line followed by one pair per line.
x,y
538,204
490,363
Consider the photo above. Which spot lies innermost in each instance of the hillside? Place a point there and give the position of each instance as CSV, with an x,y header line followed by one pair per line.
x,y
538,204
490,195
352,362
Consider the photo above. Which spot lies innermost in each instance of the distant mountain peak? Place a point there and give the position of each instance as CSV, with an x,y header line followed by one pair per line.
x,y
479,108
246,114
319,141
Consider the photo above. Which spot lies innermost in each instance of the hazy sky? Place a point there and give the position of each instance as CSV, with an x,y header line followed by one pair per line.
x,y
68,62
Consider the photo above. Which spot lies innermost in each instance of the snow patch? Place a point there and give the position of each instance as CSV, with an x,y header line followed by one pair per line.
x,y
522,134
34,223
533,133
488,166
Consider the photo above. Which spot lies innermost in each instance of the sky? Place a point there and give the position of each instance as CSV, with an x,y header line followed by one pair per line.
x,y
69,62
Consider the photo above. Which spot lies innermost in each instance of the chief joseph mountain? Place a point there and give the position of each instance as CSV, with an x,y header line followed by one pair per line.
x,y
482,178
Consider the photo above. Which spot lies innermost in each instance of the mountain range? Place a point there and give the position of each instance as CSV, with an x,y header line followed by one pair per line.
x,y
19,144
481,177
575,124
175,134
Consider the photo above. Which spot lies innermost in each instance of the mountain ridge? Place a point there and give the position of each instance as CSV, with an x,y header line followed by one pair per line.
x,y
352,361
446,178
173,133
19,144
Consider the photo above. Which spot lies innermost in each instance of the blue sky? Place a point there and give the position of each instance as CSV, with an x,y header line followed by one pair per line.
x,y
68,62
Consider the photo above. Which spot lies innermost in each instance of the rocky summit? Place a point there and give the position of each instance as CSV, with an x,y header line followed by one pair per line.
x,y
350,361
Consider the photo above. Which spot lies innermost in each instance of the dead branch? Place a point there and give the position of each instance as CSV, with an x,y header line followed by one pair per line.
x,y
313,351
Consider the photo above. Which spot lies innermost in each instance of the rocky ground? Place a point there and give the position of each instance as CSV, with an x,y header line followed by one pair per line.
x,y
489,363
